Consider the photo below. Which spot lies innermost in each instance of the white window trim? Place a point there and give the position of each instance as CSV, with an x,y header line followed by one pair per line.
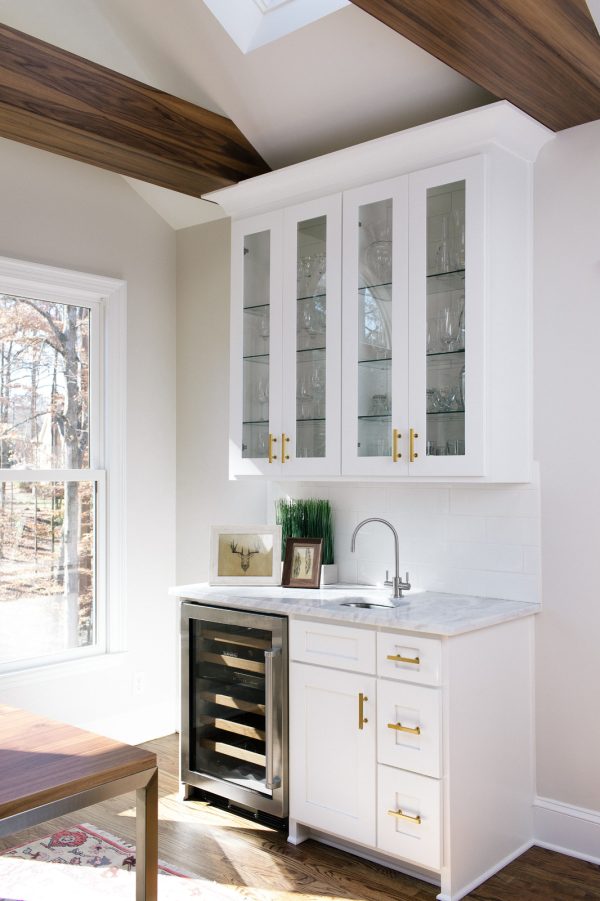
x,y
107,297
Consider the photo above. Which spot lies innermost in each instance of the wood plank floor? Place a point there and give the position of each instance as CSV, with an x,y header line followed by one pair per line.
x,y
258,864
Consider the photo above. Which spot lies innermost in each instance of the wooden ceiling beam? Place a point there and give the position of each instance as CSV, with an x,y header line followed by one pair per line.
x,y
544,57
68,105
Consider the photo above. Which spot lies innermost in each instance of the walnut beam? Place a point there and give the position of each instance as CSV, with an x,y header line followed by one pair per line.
x,y
544,57
60,102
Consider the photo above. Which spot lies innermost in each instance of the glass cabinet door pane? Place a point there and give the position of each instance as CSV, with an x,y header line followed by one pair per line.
x,y
256,343
446,336
375,330
311,338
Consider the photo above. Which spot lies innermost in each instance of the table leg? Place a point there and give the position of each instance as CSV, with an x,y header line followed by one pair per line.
x,y
146,867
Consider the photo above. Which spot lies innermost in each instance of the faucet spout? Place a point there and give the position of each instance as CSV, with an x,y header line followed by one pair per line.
x,y
397,582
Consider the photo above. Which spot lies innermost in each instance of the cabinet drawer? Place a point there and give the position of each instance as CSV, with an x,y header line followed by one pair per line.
x,y
341,647
409,727
409,816
409,657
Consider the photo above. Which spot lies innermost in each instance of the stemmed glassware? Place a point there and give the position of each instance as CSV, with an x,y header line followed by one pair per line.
x,y
262,393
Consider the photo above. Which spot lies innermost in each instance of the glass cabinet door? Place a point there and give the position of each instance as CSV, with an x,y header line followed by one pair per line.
x,y
446,314
311,338
375,330
256,346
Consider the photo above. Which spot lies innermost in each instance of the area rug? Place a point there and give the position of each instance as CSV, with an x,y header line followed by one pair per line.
x,y
84,864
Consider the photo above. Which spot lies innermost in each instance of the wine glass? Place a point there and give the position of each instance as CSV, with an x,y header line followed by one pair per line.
x,y
262,394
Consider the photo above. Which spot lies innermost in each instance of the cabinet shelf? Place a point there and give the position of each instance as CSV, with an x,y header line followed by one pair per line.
x,y
258,306
446,412
386,417
308,350
376,287
376,363
312,296
445,353
256,422
257,358
311,419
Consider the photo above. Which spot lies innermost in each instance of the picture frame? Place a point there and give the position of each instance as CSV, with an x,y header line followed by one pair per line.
x,y
302,564
245,555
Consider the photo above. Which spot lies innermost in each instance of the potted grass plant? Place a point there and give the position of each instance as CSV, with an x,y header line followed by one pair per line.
x,y
308,518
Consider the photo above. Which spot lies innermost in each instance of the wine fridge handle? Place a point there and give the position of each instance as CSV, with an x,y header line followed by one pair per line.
x,y
271,781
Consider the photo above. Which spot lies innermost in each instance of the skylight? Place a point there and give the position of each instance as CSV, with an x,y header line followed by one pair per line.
x,y
253,23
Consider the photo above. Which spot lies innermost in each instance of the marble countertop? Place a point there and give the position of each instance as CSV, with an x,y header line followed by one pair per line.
x,y
431,612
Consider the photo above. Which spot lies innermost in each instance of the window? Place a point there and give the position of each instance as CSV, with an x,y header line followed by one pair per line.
x,y
61,362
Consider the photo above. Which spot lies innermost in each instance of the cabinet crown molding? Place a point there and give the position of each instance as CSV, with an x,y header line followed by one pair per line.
x,y
499,124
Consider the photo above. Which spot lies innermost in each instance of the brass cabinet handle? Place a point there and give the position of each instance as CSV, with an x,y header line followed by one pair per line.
x,y
272,441
395,455
398,658
405,816
284,440
361,708
412,455
400,728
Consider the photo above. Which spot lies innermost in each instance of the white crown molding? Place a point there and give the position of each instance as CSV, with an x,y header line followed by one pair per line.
x,y
416,148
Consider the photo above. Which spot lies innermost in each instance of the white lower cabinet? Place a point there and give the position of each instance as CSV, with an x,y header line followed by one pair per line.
x,y
419,751
332,751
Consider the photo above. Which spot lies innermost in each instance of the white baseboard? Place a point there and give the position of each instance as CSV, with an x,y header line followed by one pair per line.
x,y
571,830
466,889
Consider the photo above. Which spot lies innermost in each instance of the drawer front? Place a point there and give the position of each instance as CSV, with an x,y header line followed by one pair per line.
x,y
409,657
409,727
409,817
341,647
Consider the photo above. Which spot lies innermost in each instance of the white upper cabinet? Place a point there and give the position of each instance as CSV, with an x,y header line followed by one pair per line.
x,y
398,345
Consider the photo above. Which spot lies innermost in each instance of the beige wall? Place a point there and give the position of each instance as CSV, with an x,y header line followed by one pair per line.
x,y
567,444
67,214
205,496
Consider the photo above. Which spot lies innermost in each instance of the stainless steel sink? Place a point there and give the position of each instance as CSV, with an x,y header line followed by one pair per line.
x,y
365,605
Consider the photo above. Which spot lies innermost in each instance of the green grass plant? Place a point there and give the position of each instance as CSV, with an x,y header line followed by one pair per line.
x,y
308,518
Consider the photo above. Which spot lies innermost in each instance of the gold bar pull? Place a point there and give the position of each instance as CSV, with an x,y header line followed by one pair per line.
x,y
412,455
398,658
284,440
395,455
272,441
405,816
400,728
361,710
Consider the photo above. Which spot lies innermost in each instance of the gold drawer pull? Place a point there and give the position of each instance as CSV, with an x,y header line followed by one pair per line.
x,y
284,440
398,658
400,728
405,816
361,710
412,454
395,453
272,441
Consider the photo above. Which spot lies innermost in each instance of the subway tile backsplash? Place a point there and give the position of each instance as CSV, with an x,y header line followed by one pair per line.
x,y
468,539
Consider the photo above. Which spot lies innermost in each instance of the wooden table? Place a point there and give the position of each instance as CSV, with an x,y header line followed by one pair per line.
x,y
48,769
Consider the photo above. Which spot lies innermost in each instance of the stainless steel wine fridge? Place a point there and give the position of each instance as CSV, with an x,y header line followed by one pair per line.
x,y
235,706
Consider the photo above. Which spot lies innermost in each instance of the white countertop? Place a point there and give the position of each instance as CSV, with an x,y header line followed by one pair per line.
x,y
432,612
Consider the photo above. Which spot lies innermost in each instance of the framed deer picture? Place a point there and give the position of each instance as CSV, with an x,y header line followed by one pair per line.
x,y
245,555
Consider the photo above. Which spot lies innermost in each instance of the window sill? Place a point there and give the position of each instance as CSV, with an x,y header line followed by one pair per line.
x,y
64,669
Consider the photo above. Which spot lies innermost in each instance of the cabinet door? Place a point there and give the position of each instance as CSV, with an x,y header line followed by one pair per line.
x,y
332,759
447,336
375,330
311,338
255,365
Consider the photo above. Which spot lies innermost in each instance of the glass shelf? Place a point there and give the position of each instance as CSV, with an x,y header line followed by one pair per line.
x,y
362,288
448,272
258,306
256,422
377,363
445,412
311,419
257,358
440,282
312,296
310,350
445,353
387,417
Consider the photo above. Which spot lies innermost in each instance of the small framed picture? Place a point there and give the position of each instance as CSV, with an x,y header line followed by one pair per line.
x,y
245,555
302,564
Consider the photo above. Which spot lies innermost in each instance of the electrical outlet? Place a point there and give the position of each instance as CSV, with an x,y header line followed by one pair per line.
x,y
138,683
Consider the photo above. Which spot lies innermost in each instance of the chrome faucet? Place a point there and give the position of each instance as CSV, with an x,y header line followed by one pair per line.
x,y
397,583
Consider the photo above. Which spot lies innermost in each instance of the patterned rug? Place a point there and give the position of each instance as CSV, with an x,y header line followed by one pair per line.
x,y
84,864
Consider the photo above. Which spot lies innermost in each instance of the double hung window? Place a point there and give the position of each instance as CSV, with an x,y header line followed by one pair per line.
x,y
53,465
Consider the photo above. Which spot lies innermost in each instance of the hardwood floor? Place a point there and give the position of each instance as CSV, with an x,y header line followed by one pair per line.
x,y
258,864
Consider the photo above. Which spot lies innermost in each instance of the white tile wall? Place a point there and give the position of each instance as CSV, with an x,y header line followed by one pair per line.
x,y
471,539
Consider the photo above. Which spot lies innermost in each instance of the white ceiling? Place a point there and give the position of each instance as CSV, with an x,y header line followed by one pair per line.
x,y
338,81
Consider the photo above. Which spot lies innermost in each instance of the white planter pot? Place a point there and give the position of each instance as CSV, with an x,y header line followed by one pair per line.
x,y
329,574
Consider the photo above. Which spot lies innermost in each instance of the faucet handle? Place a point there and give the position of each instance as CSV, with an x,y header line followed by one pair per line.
x,y
388,581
